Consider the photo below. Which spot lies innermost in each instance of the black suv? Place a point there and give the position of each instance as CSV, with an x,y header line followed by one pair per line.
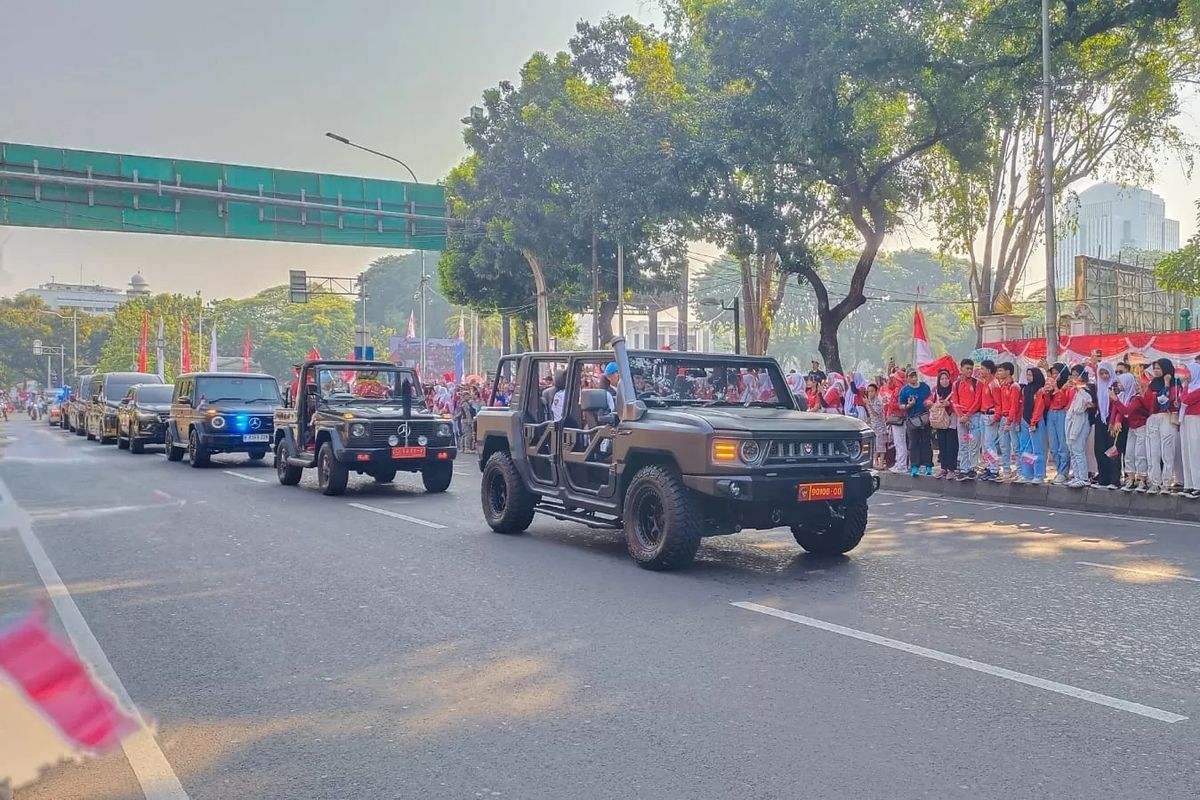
x,y
367,417
142,416
221,412
106,390
670,447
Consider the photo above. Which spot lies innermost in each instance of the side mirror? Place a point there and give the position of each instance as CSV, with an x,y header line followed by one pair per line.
x,y
595,400
184,401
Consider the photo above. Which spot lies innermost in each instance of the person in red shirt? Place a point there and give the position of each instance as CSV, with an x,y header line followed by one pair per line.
x,y
1189,431
1059,391
1031,463
1006,398
1130,413
964,399
1162,431
894,415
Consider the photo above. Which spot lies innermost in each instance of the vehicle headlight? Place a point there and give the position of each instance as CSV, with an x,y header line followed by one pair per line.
x,y
724,451
750,450
218,422
422,440
358,430
854,449
393,440
444,430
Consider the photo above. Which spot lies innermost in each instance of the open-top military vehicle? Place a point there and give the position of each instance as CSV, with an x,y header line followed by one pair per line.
x,y
671,447
367,417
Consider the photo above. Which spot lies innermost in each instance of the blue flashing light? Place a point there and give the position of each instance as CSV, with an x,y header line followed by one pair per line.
x,y
240,422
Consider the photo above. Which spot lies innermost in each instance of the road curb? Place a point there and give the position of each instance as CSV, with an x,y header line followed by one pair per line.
x,y
1099,501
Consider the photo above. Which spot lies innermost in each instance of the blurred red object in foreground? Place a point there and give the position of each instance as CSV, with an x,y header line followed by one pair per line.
x,y
52,706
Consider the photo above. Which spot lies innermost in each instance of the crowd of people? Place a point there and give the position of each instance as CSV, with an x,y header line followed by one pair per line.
x,y
1098,423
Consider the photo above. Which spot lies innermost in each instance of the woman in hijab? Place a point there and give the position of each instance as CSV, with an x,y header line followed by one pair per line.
x,y
1108,464
1079,426
875,419
1189,432
854,404
947,438
1162,428
832,401
1031,464
1130,442
1058,397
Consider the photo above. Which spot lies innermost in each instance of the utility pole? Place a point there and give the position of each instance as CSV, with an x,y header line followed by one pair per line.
x,y
682,333
595,294
1048,191
362,293
424,309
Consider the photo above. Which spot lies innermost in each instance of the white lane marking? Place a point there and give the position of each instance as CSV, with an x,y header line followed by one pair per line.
x,y
244,477
43,516
1141,571
971,664
396,515
1048,510
150,766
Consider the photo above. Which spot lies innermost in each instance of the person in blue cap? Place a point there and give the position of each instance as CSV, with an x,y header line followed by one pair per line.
x,y
613,378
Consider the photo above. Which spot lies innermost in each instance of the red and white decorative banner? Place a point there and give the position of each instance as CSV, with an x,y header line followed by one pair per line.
x,y
1179,346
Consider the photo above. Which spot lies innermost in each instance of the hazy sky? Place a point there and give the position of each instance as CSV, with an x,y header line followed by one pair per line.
x,y
259,82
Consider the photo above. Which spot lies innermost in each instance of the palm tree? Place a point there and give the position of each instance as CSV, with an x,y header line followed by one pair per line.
x,y
489,327
897,340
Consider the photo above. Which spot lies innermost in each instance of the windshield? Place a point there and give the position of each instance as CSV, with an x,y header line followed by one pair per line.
x,y
246,390
367,386
116,388
667,381
155,394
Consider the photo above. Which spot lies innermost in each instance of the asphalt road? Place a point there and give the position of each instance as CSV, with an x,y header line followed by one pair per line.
x,y
385,644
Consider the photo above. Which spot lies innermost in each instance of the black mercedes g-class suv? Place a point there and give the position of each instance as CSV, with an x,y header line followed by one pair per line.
x,y
671,447
221,412
367,417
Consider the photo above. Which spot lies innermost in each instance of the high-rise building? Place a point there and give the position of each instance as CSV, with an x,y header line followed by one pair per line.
x,y
1105,220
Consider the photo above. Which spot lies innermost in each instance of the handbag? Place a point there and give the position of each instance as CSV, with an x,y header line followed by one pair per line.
x,y
939,417
894,420
917,421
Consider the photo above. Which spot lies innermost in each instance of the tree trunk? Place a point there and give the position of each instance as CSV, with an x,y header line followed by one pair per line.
x,y
827,343
608,310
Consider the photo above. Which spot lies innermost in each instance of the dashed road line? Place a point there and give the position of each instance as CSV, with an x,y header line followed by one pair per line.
x,y
243,476
967,663
1151,572
396,515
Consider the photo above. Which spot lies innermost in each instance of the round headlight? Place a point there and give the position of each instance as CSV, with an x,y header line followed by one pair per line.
x,y
443,430
393,440
750,451
422,440
218,422
358,430
853,448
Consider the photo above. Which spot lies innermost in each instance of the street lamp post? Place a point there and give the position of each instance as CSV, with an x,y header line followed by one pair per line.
x,y
344,140
735,306
1048,191
75,335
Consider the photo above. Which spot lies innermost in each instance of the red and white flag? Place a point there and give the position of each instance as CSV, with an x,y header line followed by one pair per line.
x,y
52,706
185,347
462,334
246,348
924,361
411,333
144,343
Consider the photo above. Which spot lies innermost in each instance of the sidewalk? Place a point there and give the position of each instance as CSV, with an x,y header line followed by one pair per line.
x,y
1100,501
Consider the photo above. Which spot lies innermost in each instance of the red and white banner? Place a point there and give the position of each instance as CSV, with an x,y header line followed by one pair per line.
x,y
1137,348
924,361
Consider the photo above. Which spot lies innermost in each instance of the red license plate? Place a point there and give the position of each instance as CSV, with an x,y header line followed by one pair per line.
x,y
408,452
821,491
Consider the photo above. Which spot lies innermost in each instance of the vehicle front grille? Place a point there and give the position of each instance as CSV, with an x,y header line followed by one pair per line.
x,y
380,431
806,451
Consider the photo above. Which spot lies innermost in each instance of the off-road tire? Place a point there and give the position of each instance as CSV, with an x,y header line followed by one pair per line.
x,y
122,444
437,476
675,537
287,474
386,475
87,431
331,475
173,453
257,455
507,503
136,445
198,455
840,537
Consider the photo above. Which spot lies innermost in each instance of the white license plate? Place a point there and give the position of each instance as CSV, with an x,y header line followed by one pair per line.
x,y
256,437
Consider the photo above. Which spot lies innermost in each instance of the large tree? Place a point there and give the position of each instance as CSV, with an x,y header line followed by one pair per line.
x,y
25,318
1116,98
856,102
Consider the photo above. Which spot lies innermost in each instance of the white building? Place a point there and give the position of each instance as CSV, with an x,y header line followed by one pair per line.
x,y
637,331
91,299
1108,218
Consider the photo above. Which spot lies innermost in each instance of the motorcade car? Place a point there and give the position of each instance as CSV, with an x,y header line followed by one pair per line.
x,y
142,416
669,447
221,412
77,405
105,391
365,417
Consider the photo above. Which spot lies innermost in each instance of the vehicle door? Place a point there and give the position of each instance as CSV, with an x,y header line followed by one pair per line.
x,y
588,430
126,410
542,404
94,402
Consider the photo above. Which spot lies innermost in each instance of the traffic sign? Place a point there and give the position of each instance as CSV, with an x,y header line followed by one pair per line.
x,y
359,355
52,187
297,286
